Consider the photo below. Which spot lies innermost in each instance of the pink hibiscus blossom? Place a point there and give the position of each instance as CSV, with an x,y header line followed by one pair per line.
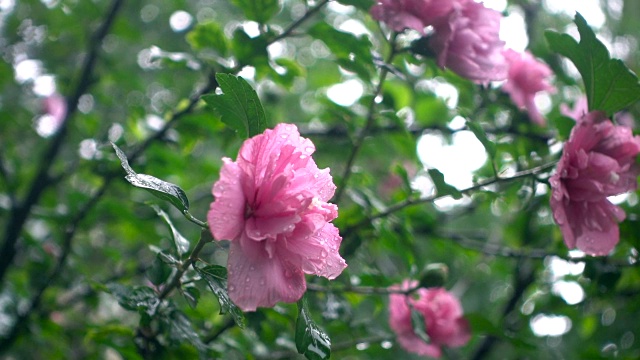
x,y
442,313
271,203
411,14
526,77
598,161
467,42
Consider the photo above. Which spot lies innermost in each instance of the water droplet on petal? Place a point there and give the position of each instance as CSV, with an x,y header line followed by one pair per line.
x,y
247,279
262,281
232,288
252,268
287,274
323,253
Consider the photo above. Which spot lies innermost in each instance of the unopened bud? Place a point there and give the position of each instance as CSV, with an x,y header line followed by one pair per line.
x,y
434,275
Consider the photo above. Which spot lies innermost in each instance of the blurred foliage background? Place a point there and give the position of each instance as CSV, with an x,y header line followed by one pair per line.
x,y
78,241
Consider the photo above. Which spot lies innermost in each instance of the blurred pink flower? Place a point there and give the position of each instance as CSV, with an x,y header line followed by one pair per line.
x,y
580,109
411,14
272,204
55,111
526,77
598,161
442,313
467,42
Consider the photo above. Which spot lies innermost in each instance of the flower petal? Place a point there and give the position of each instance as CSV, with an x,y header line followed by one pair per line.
x,y
257,280
226,213
319,252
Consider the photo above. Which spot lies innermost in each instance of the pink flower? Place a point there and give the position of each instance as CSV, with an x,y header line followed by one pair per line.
x,y
580,109
598,161
442,313
411,14
272,204
526,77
467,42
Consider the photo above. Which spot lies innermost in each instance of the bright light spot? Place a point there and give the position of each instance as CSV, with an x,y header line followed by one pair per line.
x,y
47,125
252,28
88,149
456,161
180,21
362,346
115,132
247,72
386,344
85,103
498,5
618,199
346,93
27,70
589,9
355,27
513,30
560,268
275,50
570,291
339,8
44,85
543,102
445,91
550,325
154,122
457,123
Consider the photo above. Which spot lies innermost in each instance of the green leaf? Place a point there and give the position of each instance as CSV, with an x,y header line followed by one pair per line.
x,y
141,299
159,271
250,51
354,53
216,278
311,341
180,242
419,325
180,329
208,36
159,188
442,188
239,106
478,131
564,125
610,86
363,5
258,10
191,294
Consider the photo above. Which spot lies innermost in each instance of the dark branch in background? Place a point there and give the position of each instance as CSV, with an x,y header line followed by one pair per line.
x,y
70,231
226,325
40,182
523,277
368,125
310,12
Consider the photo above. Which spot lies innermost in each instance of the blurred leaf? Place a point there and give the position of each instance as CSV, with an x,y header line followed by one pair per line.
x,y
478,131
442,187
191,294
140,298
363,5
250,51
159,188
291,70
208,36
482,326
258,10
238,106
353,53
610,86
180,329
419,325
159,271
311,341
180,242
216,278
564,125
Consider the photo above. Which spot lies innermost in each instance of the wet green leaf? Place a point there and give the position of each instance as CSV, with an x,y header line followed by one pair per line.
x,y
311,341
216,278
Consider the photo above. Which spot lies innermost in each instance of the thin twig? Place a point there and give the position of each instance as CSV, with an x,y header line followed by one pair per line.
x,y
368,125
429,199
205,237
365,290
298,22
228,324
